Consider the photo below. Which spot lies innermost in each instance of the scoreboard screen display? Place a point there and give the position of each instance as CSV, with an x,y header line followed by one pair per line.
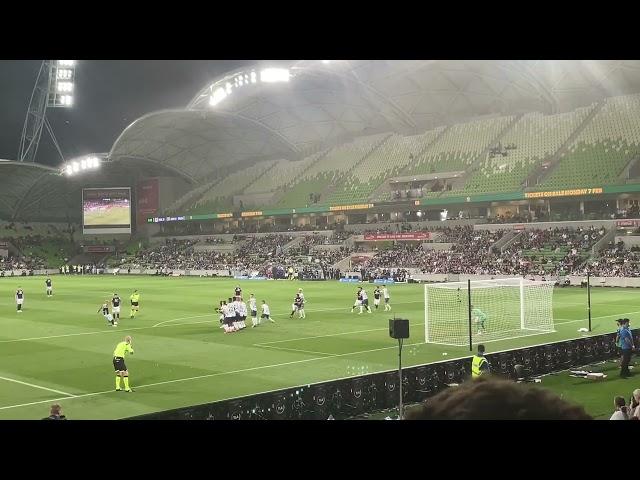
x,y
106,210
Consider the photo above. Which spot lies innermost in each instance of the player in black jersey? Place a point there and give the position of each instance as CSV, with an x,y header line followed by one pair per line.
x,y
49,285
115,304
377,293
19,299
358,302
299,303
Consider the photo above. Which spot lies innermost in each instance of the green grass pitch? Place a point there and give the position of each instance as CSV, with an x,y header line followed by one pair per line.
x,y
115,215
61,349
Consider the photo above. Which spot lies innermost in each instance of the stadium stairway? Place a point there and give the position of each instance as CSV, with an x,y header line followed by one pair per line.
x,y
483,155
540,174
383,191
508,243
603,243
504,240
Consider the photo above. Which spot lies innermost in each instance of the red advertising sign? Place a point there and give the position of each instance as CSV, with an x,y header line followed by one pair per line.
x,y
376,237
148,199
518,227
99,248
627,223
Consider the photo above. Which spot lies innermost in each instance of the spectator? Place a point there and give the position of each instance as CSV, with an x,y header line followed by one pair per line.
x,y
634,405
493,399
622,411
625,342
56,413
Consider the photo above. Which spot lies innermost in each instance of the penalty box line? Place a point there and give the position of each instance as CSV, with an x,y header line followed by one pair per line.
x,y
32,385
211,375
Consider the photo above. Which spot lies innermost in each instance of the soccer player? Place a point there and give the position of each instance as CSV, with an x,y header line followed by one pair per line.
x,y
105,313
376,297
230,316
238,291
115,307
19,299
220,310
49,285
479,318
358,301
300,306
301,294
241,312
135,303
253,306
118,363
266,313
385,294
365,301
294,305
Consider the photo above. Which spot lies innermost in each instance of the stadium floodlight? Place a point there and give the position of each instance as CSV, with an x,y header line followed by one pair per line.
x,y
254,77
273,75
64,73
66,100
64,87
218,95
83,164
69,170
228,88
76,167
66,63
326,61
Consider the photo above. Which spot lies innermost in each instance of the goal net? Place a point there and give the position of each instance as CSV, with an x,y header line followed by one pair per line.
x,y
500,309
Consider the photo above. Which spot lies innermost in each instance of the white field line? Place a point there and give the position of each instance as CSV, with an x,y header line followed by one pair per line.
x,y
211,375
111,330
37,386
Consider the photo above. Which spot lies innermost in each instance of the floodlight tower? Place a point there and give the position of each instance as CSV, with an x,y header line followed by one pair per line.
x,y
53,89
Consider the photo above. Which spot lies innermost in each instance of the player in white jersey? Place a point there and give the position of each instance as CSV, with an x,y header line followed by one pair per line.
x,y
107,316
385,294
241,311
253,306
220,311
365,302
229,317
266,313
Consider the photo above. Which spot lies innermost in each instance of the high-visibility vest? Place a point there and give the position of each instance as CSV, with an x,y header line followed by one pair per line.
x,y
476,363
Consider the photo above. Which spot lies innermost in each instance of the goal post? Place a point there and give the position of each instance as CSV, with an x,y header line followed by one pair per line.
x,y
499,309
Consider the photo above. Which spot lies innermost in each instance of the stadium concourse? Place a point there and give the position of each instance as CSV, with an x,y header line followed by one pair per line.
x,y
300,182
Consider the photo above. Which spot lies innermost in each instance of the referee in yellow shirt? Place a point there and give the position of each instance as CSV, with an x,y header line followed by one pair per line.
x,y
135,303
118,363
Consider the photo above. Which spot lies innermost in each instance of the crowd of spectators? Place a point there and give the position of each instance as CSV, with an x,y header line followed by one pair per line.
x,y
615,261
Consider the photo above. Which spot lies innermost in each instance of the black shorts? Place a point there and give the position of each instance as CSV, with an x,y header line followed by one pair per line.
x,y
365,302
134,304
118,364
254,313
229,320
264,315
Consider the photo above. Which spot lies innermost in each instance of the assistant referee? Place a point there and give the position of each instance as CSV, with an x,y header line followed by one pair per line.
x,y
118,363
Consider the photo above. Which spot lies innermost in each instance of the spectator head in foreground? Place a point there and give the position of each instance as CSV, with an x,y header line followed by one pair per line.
x,y
56,413
622,411
494,399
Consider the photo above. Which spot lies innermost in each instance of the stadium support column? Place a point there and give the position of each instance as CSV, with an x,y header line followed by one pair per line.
x,y
469,298
589,299
522,303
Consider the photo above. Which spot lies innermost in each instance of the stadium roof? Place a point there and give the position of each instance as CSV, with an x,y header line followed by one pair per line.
x,y
239,117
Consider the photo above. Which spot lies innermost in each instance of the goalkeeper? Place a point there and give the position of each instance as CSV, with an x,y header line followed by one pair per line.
x,y
479,318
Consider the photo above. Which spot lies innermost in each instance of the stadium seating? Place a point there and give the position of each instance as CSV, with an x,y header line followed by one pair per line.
x,y
612,138
330,170
459,147
281,174
384,162
535,138
220,196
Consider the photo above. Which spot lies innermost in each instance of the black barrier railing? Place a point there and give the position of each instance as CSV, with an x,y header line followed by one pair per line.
x,y
368,393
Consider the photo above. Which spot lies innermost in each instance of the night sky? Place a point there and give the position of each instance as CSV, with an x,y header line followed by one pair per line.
x,y
109,95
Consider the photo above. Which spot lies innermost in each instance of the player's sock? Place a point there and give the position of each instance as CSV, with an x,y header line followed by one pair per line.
x,y
361,308
126,382
117,382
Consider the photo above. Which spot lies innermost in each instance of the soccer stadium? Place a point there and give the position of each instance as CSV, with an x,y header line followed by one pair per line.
x,y
330,239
